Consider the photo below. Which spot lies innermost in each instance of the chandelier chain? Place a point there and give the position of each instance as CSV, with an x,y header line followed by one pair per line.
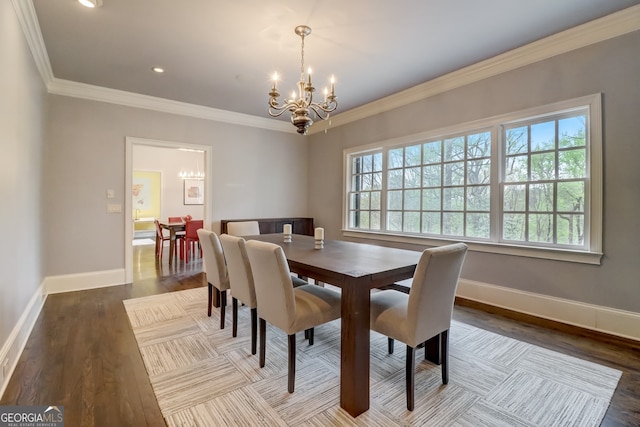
x,y
302,59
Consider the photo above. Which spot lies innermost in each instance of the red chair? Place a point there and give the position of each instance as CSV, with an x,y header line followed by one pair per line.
x,y
191,237
179,234
160,239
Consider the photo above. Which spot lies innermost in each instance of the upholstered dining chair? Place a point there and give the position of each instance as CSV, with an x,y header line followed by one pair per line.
x,y
243,228
290,309
215,269
425,312
240,282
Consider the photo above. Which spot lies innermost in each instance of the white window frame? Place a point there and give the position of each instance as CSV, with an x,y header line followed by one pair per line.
x,y
593,220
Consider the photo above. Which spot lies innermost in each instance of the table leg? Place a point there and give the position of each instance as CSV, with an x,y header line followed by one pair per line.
x,y
354,364
172,245
432,350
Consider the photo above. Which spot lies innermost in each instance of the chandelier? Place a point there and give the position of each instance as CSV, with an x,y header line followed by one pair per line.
x,y
185,174
191,175
301,102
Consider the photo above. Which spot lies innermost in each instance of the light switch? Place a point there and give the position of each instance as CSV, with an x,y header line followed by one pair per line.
x,y
114,208
111,194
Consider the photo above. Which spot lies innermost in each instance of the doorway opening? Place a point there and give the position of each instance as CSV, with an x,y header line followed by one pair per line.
x,y
163,177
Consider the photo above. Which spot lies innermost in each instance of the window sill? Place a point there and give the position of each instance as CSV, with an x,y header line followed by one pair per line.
x,y
580,257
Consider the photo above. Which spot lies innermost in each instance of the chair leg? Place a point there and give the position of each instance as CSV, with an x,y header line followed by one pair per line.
x,y
234,315
444,351
254,329
223,305
390,345
292,362
210,300
263,341
310,336
410,377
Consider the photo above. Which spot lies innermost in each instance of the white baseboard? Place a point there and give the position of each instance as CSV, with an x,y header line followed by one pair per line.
x,y
13,346
82,281
621,323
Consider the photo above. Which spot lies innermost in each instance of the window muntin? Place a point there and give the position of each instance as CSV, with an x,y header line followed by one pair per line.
x,y
543,197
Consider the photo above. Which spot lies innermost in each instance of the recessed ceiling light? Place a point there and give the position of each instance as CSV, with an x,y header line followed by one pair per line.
x,y
158,70
91,3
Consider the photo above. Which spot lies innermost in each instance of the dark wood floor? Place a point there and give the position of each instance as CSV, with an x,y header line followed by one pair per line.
x,y
82,353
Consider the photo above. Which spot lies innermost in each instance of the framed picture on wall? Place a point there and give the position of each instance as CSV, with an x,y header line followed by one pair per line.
x,y
193,192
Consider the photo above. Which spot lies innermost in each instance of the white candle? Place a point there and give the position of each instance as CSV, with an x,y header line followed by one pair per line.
x,y
319,233
287,229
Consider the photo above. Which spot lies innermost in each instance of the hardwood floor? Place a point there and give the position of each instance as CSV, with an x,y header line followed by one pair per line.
x,y
82,353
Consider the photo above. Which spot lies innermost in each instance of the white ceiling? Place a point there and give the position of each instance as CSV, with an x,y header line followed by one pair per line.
x,y
222,54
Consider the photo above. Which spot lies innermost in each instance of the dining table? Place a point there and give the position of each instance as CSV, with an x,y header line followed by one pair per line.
x,y
174,228
355,268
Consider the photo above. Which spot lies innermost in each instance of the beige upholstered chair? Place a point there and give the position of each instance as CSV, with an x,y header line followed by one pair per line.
x,y
241,282
425,312
279,303
243,228
215,269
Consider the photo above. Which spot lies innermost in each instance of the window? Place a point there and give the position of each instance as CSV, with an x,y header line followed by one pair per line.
x,y
526,180
545,181
366,191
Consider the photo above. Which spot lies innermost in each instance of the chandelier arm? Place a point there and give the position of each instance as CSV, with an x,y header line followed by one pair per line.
x,y
316,111
278,114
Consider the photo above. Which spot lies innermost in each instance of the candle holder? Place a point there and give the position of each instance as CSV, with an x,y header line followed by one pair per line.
x,y
286,230
318,235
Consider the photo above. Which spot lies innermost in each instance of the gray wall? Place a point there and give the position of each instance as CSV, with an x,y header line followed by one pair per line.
x,y
612,68
255,172
22,117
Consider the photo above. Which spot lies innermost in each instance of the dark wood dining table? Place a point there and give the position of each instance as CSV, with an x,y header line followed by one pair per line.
x,y
356,268
174,228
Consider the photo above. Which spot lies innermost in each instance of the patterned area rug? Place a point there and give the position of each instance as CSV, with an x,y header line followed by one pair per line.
x,y
203,377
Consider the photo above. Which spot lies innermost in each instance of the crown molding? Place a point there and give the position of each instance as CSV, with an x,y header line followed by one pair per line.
x,y
607,27
28,19
130,99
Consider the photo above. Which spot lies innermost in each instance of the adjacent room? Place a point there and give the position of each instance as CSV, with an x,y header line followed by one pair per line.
x,y
320,213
